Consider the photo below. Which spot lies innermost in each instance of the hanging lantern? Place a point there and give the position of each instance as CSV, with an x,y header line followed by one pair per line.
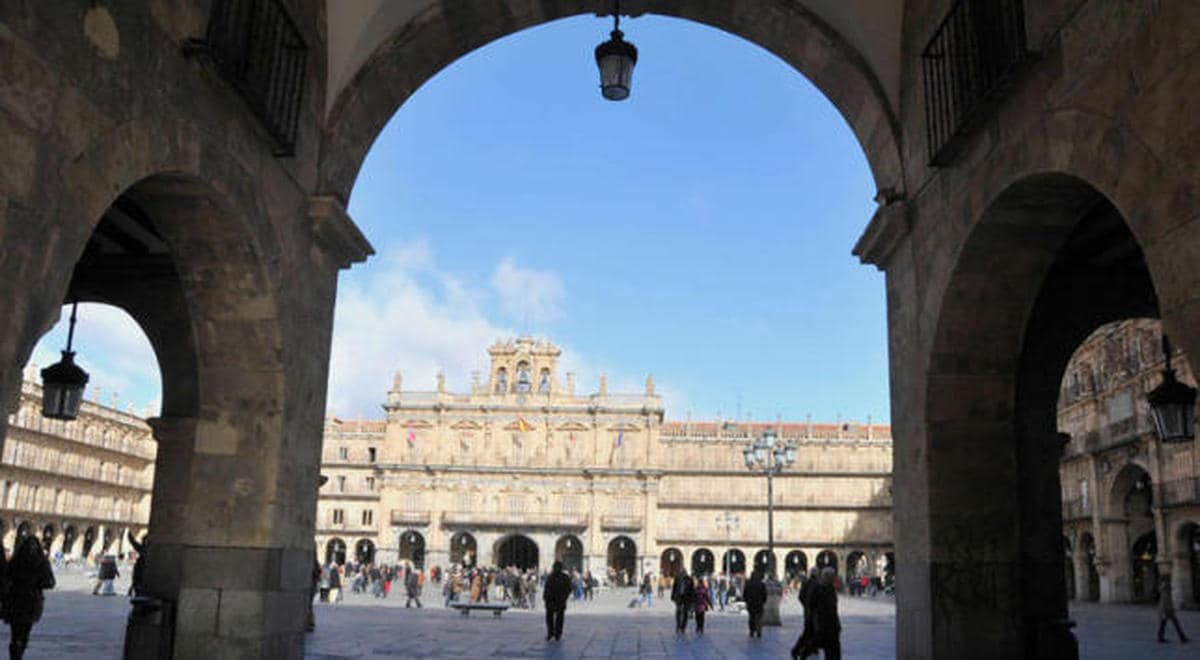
x,y
616,58
63,382
1172,404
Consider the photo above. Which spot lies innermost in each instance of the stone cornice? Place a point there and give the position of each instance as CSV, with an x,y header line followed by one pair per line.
x,y
335,232
888,226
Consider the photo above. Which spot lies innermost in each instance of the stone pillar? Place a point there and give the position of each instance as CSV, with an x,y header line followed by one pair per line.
x,y
1113,563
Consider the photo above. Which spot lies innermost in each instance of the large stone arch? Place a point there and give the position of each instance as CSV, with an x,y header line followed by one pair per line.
x,y
442,32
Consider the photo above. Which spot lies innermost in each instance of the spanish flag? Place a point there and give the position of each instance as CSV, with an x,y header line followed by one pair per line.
x,y
522,424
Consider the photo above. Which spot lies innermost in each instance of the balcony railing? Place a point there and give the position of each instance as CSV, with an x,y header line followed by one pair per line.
x,y
974,52
410,517
499,519
621,523
258,49
1180,491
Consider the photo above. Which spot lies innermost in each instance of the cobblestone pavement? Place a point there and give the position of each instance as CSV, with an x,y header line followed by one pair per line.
x,y
77,624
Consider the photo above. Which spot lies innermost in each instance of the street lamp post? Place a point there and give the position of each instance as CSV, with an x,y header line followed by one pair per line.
x,y
769,455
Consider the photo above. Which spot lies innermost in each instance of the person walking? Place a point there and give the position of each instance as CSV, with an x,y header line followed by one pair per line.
x,y
804,644
589,585
412,588
755,596
646,591
1166,610
28,574
703,603
555,595
683,594
335,583
722,591
823,611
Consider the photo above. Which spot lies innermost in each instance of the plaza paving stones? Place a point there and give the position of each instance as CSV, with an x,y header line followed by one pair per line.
x,y
77,624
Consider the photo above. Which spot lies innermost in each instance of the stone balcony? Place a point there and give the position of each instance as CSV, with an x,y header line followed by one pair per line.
x,y
621,523
411,518
519,519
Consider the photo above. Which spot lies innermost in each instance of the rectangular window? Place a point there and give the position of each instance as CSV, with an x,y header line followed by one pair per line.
x,y
370,484
368,516
343,453
339,516
341,484
1120,406
371,454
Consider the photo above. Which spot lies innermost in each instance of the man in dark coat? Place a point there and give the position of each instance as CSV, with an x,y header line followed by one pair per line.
x,y
412,585
804,646
683,594
755,596
826,627
555,594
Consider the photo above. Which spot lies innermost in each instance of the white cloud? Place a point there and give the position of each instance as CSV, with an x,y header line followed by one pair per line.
x,y
525,294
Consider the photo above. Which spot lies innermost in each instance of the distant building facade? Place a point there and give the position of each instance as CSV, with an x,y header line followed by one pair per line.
x,y
79,486
1131,504
522,470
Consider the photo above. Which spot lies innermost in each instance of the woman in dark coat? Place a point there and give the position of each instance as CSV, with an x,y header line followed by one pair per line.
x,y
28,574
755,596
683,594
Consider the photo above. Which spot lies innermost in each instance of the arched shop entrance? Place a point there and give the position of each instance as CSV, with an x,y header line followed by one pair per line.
x,y
827,559
622,559
703,562
569,550
517,551
335,551
796,564
733,562
364,551
764,562
89,541
856,565
412,549
69,536
463,549
47,537
671,562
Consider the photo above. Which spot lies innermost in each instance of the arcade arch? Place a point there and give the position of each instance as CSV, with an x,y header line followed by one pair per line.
x,y
335,551
569,550
463,549
364,551
671,562
703,562
516,551
734,561
796,564
622,558
411,546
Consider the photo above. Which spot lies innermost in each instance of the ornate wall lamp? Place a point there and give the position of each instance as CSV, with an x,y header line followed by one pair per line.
x,y
63,382
1172,404
616,59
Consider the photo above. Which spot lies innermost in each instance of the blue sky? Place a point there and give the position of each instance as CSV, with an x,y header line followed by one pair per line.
x,y
699,231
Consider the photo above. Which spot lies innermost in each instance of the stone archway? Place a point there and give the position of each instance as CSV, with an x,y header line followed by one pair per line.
x,y
795,564
764,562
1053,260
463,549
569,550
47,537
827,559
733,562
516,550
622,559
384,70
412,548
671,562
70,534
703,562
335,551
364,551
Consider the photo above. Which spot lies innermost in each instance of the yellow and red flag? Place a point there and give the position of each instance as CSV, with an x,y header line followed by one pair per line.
x,y
522,424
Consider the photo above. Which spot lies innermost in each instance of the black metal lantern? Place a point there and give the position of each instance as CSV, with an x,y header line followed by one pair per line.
x,y
63,382
616,58
1172,404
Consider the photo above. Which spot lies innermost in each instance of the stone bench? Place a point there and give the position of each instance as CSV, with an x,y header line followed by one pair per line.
x,y
495,608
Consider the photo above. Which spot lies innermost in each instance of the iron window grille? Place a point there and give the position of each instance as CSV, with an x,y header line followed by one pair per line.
x,y
974,53
257,48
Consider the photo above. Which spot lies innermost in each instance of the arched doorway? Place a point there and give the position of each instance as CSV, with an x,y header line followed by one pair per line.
x,y
89,541
1145,569
856,565
622,559
764,562
69,536
1093,576
412,549
463,549
24,529
671,562
335,551
47,537
734,562
703,562
827,559
569,550
517,551
107,540
364,551
795,564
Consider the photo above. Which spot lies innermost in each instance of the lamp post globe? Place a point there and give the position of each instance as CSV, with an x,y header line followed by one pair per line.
x,y
1172,405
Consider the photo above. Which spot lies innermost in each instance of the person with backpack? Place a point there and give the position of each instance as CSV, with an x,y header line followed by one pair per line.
x,y
683,594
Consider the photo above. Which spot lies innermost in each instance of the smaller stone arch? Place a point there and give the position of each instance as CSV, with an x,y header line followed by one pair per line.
x,y
464,549
48,537
670,563
1144,555
622,558
70,535
89,542
827,559
733,562
335,551
516,550
764,561
703,562
795,564
364,551
412,548
569,550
